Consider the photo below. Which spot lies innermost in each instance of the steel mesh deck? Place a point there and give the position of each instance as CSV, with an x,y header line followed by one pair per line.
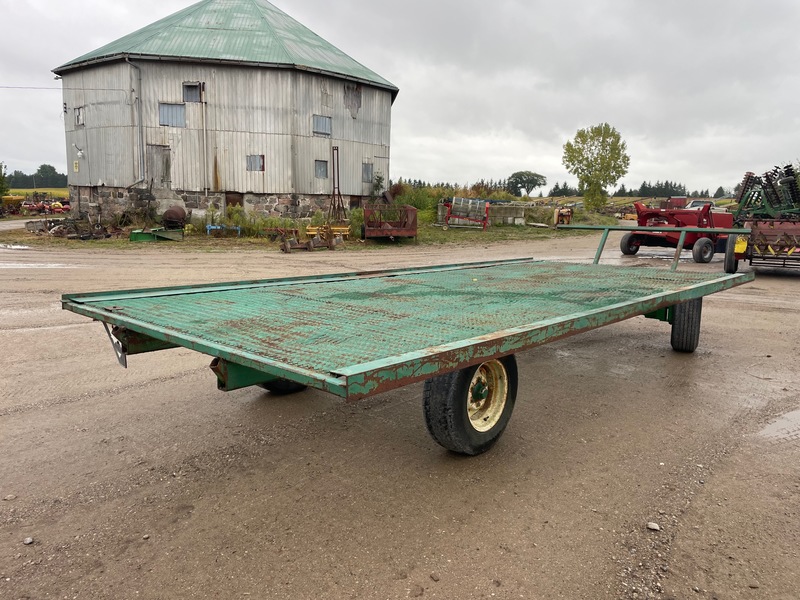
x,y
331,325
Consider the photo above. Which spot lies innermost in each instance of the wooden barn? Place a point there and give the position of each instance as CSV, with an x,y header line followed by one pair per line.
x,y
226,102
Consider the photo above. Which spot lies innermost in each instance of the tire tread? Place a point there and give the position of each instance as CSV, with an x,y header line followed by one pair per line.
x,y
444,408
686,325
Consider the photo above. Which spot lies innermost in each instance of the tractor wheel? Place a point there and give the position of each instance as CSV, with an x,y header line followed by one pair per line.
x,y
466,411
703,250
283,387
730,263
629,244
686,325
363,231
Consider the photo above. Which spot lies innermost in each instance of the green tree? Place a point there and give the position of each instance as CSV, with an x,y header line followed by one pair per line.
x,y
47,176
598,158
3,183
18,179
524,180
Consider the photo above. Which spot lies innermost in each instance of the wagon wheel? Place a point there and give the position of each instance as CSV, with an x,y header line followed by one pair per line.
x,y
730,263
686,325
629,244
466,411
703,250
282,387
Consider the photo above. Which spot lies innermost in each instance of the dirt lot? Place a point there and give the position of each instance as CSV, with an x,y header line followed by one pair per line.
x,y
149,483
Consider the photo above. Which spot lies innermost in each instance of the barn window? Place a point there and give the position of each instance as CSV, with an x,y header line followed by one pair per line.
x,y
80,116
255,162
322,125
171,115
191,91
366,172
321,169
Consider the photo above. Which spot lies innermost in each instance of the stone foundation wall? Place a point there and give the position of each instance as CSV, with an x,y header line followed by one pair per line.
x,y
107,202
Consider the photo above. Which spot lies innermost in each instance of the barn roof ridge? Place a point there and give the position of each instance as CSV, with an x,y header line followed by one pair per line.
x,y
242,32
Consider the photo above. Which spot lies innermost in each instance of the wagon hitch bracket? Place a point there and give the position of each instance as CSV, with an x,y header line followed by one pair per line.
x,y
119,351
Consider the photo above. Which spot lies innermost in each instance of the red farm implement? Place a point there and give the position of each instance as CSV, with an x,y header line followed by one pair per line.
x,y
465,212
703,245
389,221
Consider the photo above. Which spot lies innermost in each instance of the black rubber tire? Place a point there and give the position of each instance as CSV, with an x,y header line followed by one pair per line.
x,y
703,250
445,406
686,325
629,244
730,263
283,387
363,231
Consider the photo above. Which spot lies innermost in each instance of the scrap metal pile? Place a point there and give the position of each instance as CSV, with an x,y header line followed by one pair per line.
x,y
73,229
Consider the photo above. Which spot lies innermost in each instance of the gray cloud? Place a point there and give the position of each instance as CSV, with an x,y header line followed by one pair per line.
x,y
701,91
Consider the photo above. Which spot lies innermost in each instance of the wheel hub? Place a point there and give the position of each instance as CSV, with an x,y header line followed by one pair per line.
x,y
487,395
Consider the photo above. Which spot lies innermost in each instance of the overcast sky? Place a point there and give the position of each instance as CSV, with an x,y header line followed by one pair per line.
x,y
701,91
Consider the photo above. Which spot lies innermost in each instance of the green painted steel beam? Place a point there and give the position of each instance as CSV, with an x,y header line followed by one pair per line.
x,y
606,229
134,342
231,376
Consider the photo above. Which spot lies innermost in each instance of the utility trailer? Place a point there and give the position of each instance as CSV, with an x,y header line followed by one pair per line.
x,y
359,334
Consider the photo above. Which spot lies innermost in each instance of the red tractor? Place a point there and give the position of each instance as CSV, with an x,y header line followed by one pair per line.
x,y
702,245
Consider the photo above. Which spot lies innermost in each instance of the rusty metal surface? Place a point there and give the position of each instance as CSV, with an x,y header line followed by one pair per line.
x,y
775,243
382,221
358,334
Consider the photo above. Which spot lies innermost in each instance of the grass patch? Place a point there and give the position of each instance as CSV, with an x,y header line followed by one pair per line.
x,y
428,235
52,192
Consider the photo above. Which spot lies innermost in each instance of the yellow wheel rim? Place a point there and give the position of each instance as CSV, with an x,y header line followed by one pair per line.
x,y
487,395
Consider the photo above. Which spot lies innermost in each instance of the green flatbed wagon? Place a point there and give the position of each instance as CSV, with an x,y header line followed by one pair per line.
x,y
457,327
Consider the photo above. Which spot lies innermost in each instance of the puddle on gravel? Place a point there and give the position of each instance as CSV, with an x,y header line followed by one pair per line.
x,y
5,265
785,428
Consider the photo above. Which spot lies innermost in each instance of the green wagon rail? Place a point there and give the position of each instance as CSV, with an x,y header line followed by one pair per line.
x,y
359,334
606,229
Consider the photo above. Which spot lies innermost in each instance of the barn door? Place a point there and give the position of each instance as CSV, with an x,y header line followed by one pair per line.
x,y
233,199
159,166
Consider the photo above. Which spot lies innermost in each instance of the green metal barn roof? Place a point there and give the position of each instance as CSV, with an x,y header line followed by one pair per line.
x,y
252,32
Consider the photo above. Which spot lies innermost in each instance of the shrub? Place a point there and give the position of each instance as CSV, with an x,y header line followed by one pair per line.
x,y
540,214
356,221
424,200
585,217
318,218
